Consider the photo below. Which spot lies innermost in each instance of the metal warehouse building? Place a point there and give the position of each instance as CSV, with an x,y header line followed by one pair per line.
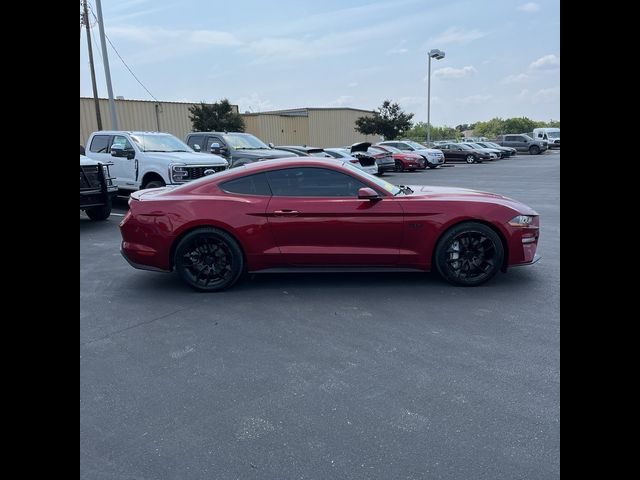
x,y
318,127
172,117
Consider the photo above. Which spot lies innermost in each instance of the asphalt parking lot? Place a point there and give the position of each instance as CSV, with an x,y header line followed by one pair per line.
x,y
317,376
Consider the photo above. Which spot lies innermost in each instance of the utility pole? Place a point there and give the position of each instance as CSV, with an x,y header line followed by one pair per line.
x,y
93,73
107,73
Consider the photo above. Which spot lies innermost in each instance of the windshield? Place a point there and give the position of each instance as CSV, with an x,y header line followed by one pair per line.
x,y
464,146
553,134
474,146
244,141
391,149
378,181
416,145
491,144
160,143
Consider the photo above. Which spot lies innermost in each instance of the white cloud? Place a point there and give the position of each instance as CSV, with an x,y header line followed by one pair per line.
x,y
399,49
254,103
158,35
546,95
450,72
456,35
548,62
352,84
521,77
523,94
529,7
341,101
474,99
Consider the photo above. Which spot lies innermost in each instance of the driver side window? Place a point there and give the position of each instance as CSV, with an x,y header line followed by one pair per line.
x,y
313,182
123,141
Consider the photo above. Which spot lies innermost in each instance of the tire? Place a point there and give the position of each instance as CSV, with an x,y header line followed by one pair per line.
x,y
154,184
433,166
479,251
534,150
470,159
209,260
99,213
399,166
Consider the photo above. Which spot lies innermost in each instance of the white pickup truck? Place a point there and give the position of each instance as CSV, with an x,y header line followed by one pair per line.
x,y
150,159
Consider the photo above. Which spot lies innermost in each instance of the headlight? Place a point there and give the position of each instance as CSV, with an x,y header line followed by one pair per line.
x,y
105,171
521,221
178,173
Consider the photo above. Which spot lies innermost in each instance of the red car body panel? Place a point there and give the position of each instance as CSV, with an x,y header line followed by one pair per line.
x,y
281,231
410,161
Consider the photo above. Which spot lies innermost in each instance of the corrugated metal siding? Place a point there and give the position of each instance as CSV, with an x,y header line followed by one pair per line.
x,y
173,117
336,128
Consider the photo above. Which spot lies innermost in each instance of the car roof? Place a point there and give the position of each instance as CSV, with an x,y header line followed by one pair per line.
x,y
130,132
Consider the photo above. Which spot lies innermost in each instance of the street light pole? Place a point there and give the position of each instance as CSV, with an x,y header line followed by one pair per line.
x,y
438,55
107,73
429,105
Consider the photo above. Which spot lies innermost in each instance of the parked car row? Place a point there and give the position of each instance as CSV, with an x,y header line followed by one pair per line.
x,y
133,160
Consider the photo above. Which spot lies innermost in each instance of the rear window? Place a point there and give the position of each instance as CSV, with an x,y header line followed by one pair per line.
x,y
250,185
99,144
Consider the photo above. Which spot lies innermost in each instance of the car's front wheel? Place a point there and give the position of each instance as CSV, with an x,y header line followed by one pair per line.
x,y
399,166
534,150
153,184
99,213
209,259
470,159
469,254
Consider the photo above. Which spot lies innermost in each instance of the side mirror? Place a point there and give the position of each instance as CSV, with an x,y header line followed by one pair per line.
x,y
215,148
117,151
366,193
271,145
196,147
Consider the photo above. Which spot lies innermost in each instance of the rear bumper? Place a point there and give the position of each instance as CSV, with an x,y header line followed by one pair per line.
x,y
140,266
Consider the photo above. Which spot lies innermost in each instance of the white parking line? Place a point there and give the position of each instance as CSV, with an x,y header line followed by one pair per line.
x,y
118,214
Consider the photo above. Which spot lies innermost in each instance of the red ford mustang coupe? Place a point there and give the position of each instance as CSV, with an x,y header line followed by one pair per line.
x,y
322,215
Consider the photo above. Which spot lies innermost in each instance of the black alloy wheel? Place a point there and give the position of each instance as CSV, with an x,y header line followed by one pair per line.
x,y
209,259
469,254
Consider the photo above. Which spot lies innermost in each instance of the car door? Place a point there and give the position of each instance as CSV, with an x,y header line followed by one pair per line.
x,y
124,169
317,219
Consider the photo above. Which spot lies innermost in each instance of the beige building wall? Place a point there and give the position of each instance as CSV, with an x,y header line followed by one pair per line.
x,y
278,129
316,127
337,128
171,117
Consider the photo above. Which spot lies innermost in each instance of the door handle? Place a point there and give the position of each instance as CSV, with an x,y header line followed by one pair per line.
x,y
286,212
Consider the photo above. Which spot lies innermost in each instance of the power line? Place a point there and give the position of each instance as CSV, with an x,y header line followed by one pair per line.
x,y
122,60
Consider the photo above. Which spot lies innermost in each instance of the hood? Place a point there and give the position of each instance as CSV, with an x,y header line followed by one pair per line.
x,y
429,150
188,158
360,147
266,153
465,194
86,161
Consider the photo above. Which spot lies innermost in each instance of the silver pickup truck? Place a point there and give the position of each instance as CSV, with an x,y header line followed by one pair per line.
x,y
522,142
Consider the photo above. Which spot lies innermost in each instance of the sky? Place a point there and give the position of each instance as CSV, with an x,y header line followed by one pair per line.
x,y
502,57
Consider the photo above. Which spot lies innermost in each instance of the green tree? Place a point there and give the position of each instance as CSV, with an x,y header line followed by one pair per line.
x,y
553,124
389,121
215,117
490,128
419,133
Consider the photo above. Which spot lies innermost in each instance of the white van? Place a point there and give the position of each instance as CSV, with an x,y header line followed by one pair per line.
x,y
551,135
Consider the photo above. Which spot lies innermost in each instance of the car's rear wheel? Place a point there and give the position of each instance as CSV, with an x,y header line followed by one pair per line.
x,y
209,259
101,212
534,150
399,166
469,254
470,159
